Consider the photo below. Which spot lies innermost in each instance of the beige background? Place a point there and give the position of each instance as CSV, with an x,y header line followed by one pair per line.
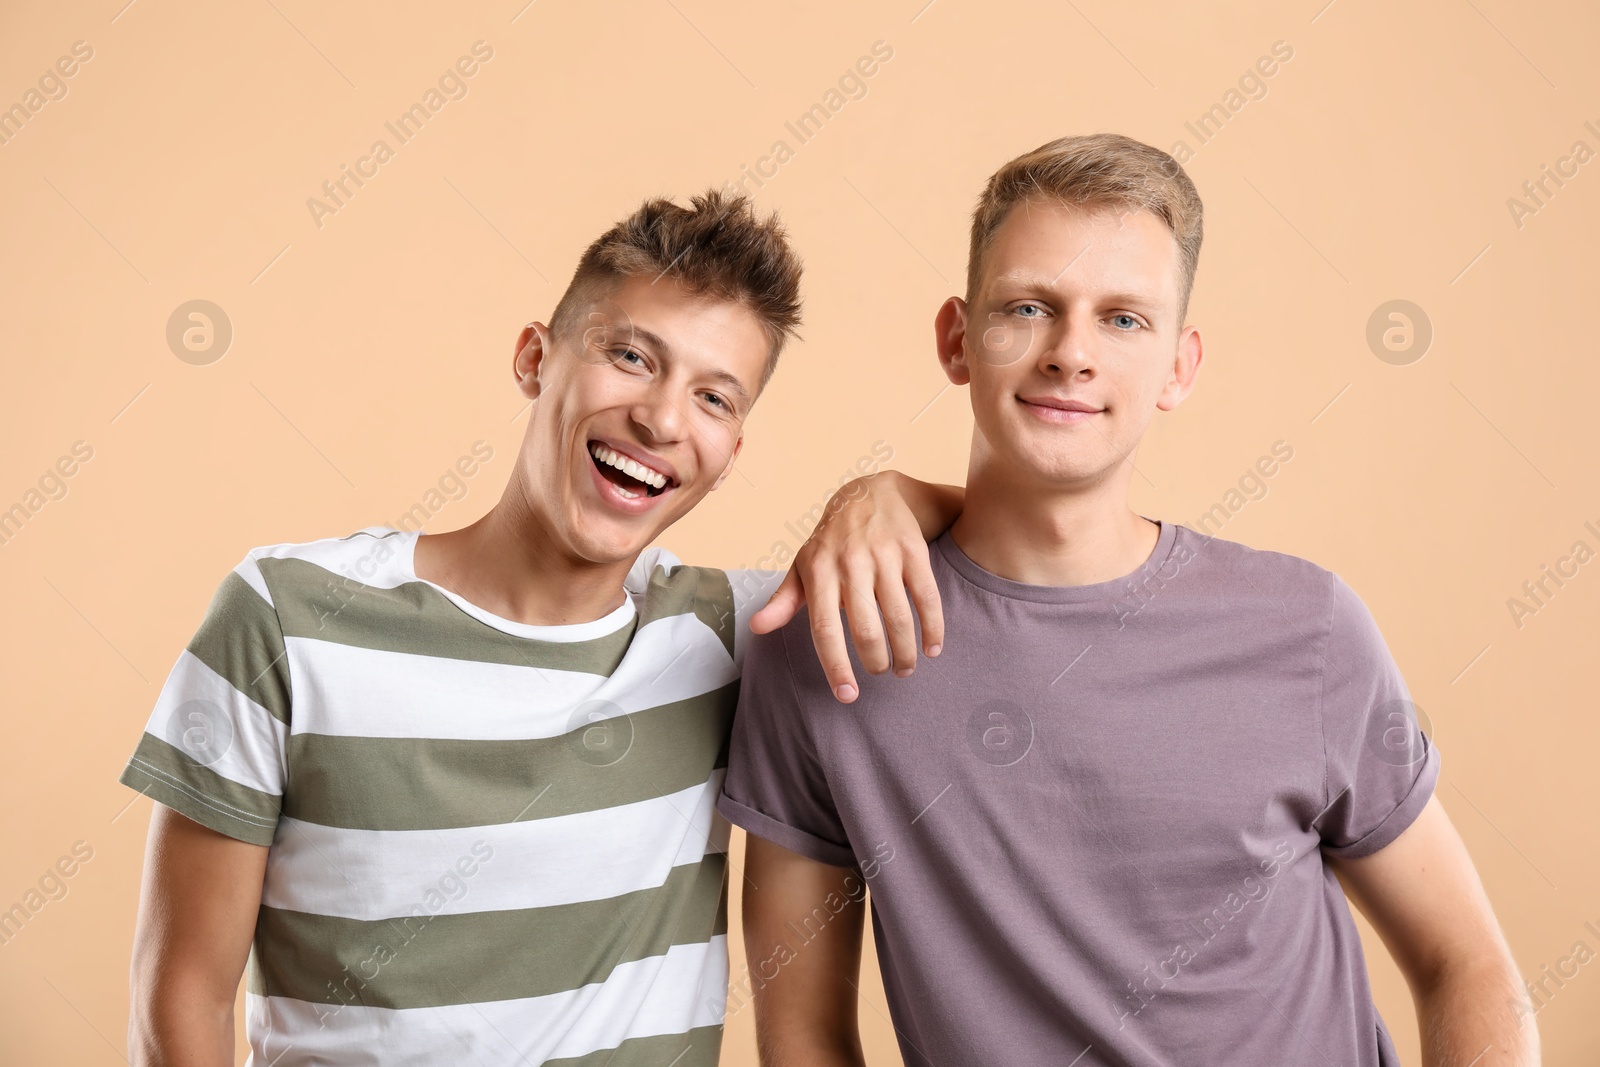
x,y
372,351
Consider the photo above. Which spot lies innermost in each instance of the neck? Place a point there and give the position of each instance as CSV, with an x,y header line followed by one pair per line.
x,y
1015,527
509,563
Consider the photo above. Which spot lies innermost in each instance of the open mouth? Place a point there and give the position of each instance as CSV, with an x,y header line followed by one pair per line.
x,y
631,478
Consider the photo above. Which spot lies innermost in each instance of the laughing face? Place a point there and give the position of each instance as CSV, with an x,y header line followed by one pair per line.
x,y
1071,343
637,415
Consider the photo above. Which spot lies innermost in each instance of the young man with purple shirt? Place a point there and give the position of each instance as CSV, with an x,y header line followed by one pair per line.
x,y
1117,820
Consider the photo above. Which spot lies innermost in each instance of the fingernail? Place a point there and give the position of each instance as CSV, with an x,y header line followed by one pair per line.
x,y
845,692
933,650
903,672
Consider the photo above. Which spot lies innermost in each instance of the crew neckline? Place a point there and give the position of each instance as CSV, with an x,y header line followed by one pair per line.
x,y
1166,537
561,633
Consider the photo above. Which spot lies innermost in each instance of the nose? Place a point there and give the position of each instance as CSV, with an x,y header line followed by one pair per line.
x,y
1070,350
657,416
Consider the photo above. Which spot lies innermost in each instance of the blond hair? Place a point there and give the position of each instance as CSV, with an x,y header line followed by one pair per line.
x,y
1094,171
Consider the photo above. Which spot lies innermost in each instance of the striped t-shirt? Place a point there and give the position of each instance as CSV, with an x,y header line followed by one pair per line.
x,y
491,842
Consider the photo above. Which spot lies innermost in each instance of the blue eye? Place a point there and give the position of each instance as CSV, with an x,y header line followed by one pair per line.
x,y
1131,320
624,353
717,400
1030,307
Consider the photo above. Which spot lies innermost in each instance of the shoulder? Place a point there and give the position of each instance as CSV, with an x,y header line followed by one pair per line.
x,y
296,569
663,587
1315,600
1254,573
1237,560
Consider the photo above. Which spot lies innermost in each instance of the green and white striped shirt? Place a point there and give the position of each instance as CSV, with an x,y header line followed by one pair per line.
x,y
491,842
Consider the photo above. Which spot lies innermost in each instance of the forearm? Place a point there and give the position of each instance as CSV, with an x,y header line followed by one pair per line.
x,y
935,506
1477,1015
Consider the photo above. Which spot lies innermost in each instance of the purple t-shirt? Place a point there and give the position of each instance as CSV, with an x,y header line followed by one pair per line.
x,y
1094,826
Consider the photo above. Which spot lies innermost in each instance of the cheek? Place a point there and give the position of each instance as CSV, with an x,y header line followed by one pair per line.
x,y
714,446
983,377
1150,393
589,392
993,393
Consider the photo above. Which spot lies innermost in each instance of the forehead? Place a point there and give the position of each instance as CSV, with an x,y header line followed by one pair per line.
x,y
1054,245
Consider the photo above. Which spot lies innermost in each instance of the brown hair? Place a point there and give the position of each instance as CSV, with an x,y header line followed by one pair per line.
x,y
715,247
1094,171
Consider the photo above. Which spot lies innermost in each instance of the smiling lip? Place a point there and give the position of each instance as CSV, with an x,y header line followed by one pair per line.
x,y
637,501
641,457
1057,409
612,494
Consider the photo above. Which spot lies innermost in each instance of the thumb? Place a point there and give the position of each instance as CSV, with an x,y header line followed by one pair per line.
x,y
785,601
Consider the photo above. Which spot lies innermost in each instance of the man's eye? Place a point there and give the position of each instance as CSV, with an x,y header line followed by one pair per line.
x,y
718,401
624,354
1030,311
1131,321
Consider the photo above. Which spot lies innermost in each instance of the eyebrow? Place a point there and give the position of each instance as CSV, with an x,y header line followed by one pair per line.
x,y
1032,280
734,385
726,378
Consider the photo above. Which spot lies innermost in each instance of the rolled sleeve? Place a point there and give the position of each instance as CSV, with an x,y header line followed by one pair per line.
x,y
1380,767
779,833
1400,817
776,787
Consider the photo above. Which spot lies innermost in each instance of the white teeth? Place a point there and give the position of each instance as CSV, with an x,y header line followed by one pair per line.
x,y
629,467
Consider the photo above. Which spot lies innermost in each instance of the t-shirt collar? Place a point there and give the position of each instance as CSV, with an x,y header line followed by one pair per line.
x,y
1056,594
578,631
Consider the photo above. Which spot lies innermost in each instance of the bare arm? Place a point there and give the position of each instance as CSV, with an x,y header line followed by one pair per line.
x,y
806,1004
197,915
1422,895
869,550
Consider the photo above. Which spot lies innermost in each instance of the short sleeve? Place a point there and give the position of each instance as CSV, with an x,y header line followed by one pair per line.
x,y
775,786
214,747
1381,768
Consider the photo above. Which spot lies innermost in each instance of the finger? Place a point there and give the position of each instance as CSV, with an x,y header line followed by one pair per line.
x,y
783,605
899,624
924,590
827,634
866,629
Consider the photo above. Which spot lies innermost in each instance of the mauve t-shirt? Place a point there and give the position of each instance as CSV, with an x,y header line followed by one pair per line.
x,y
1094,827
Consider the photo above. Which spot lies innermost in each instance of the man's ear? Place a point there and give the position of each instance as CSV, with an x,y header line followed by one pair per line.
x,y
950,339
1185,369
737,444
533,344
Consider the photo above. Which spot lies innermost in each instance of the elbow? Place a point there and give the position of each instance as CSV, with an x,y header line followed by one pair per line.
x,y
1487,986
176,1018
149,1041
821,1046
1489,967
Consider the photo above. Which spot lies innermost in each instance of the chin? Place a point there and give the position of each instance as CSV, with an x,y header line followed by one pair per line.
x,y
1059,472
605,543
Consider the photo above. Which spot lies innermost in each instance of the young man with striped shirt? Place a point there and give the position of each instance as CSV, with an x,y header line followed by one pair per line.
x,y
448,798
